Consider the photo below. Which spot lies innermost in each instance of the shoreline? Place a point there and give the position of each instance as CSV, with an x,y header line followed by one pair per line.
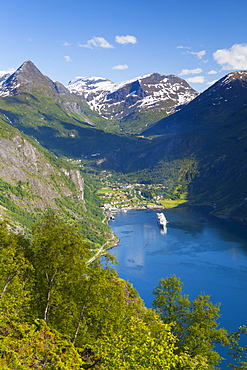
x,y
160,207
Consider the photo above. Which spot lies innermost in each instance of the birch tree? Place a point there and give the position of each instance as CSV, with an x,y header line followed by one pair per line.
x,y
14,269
193,323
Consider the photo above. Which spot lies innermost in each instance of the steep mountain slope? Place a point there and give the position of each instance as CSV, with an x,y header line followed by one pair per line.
x,y
28,86
30,177
218,103
33,181
214,127
135,103
45,110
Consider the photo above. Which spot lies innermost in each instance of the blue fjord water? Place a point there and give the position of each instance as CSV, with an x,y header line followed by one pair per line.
x,y
209,255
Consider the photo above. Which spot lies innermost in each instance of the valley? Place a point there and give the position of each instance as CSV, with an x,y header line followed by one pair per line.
x,y
123,172
196,150
117,196
67,169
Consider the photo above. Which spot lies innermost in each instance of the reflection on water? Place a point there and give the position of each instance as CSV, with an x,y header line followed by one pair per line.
x,y
163,230
209,255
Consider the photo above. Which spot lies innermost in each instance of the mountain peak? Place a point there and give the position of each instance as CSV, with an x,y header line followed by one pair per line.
x,y
26,78
219,103
230,87
27,73
119,101
28,66
233,76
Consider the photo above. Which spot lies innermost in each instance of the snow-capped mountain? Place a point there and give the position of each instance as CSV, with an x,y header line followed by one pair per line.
x,y
28,83
225,101
24,78
3,76
119,100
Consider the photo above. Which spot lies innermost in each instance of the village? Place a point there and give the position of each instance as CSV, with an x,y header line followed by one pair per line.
x,y
119,197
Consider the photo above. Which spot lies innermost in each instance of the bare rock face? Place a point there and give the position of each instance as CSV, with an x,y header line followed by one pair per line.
x,y
22,163
75,176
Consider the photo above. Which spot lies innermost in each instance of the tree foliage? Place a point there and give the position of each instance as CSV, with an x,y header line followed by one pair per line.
x,y
59,313
58,254
194,323
35,346
238,348
143,346
14,268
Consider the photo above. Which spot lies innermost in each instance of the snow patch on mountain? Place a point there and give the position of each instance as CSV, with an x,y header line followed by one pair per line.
x,y
3,77
118,100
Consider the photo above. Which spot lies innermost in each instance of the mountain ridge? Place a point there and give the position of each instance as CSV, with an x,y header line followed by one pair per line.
x,y
162,94
217,103
28,81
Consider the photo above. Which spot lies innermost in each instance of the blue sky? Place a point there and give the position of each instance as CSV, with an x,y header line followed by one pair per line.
x,y
199,41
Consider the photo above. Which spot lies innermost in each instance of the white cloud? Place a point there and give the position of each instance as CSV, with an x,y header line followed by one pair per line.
x,y
233,58
185,72
199,54
211,82
183,47
67,58
126,39
120,66
196,79
97,42
66,43
212,72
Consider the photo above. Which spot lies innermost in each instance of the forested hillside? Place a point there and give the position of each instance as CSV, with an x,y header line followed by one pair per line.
x,y
60,312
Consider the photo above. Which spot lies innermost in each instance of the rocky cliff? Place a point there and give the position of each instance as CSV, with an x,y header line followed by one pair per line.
x,y
31,180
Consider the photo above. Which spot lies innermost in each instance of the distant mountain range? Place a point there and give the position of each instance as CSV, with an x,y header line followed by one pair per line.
x,y
200,149
61,121
146,98
129,107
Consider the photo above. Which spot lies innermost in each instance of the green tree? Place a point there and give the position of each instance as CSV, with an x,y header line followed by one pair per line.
x,y
170,303
26,346
58,254
238,351
104,303
142,345
193,323
77,300
14,268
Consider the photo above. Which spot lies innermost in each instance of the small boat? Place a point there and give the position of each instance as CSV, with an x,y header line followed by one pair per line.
x,y
161,218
